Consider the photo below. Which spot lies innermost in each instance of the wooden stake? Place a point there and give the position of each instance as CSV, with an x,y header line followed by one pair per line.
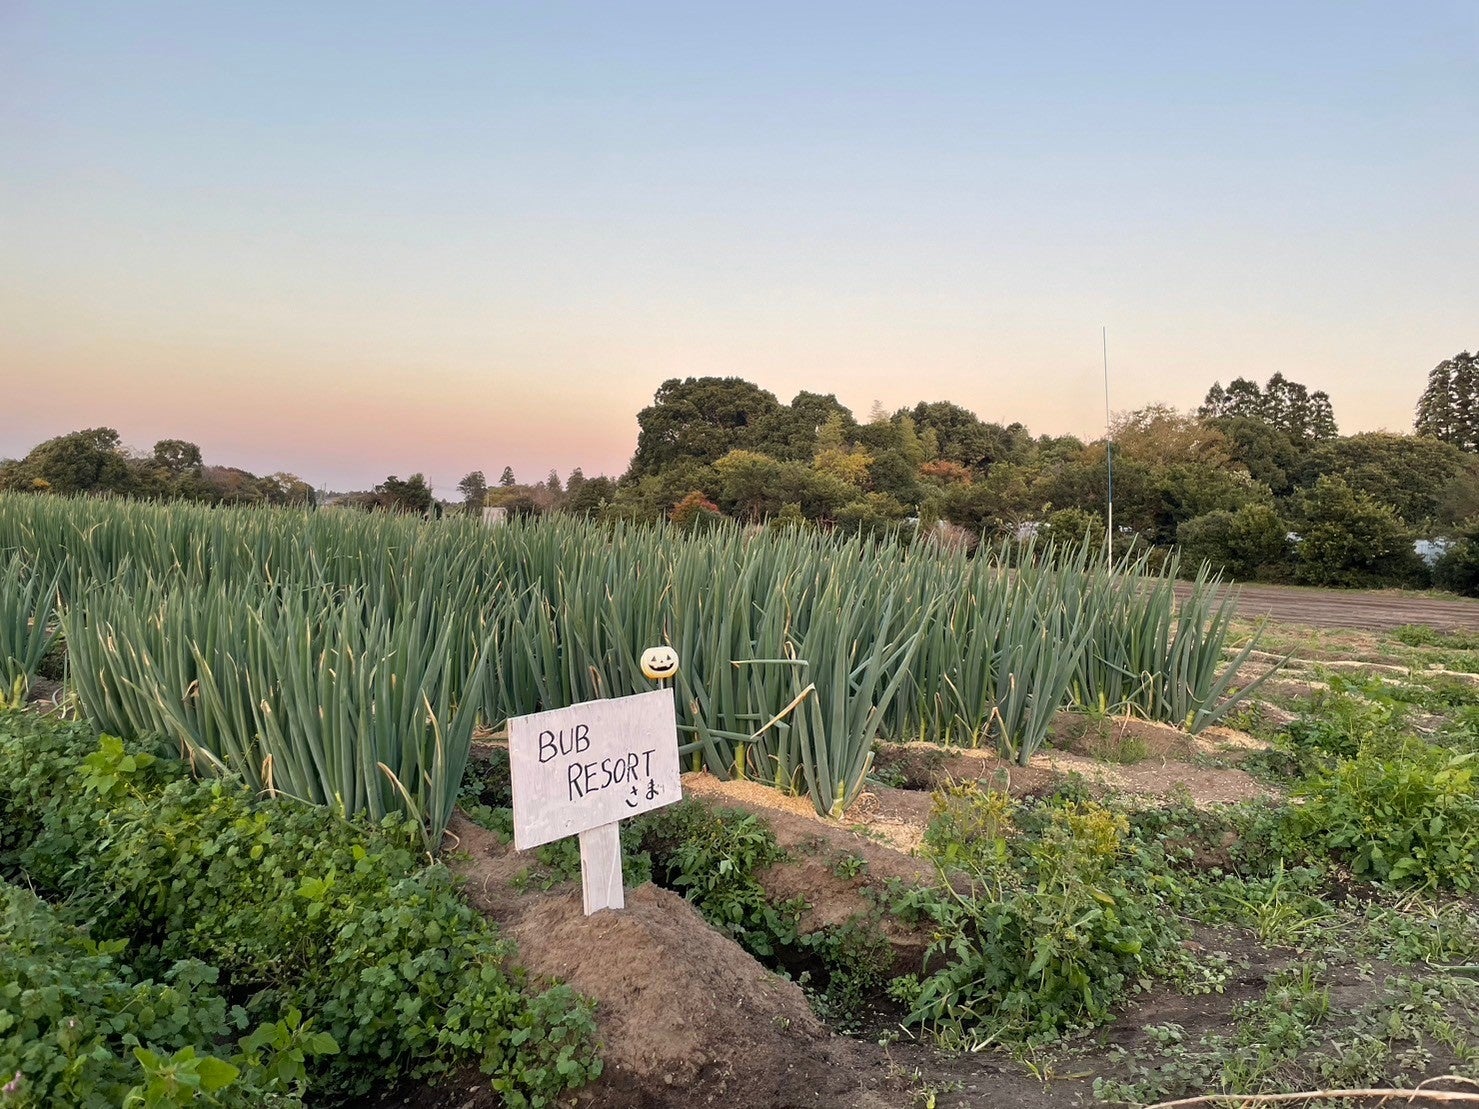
x,y
600,868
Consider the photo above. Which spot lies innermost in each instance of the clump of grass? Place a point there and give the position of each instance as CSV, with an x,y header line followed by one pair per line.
x,y
1421,635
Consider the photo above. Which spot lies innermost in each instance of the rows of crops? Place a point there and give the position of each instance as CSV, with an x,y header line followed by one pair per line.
x,y
346,658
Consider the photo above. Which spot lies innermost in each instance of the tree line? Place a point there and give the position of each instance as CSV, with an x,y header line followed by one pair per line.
x,y
1257,480
96,461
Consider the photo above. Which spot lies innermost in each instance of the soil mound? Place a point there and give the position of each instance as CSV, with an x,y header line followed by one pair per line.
x,y
1137,758
686,1016
837,868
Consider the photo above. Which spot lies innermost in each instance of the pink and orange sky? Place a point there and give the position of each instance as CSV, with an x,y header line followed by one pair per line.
x,y
354,240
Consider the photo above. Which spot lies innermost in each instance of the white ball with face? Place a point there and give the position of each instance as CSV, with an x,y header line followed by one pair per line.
x,y
659,663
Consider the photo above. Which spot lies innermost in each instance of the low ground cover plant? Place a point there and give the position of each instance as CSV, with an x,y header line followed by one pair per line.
x,y
78,1026
1401,811
294,906
1393,806
1064,916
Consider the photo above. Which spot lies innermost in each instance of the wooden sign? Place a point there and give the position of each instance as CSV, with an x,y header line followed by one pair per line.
x,y
580,770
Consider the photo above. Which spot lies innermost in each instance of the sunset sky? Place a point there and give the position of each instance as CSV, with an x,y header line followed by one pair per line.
x,y
349,240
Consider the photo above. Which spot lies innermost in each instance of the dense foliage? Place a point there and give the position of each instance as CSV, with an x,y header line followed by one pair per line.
x,y
96,461
1236,482
79,1027
290,906
798,649
1449,406
1053,929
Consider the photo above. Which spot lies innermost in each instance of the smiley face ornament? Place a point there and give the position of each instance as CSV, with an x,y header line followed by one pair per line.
x,y
659,663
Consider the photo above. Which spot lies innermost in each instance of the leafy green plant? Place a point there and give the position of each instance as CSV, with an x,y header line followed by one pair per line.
x,y
1344,717
78,1026
299,909
713,860
1401,811
969,825
1053,930
28,625
714,856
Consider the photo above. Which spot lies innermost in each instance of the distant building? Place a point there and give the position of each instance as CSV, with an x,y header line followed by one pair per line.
x,y
495,516
1430,550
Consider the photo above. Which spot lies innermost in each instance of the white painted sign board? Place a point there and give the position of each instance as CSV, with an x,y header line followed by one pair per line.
x,y
579,770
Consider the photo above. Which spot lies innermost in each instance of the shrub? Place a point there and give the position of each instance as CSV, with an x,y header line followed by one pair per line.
x,y
695,510
297,907
1061,922
1073,525
1350,539
1457,568
712,856
78,1027
1401,811
969,825
1251,543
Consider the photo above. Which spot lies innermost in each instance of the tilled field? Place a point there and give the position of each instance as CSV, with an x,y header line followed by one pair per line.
x,y
1339,608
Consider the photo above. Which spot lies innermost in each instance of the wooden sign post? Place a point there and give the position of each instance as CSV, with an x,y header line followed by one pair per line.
x,y
582,769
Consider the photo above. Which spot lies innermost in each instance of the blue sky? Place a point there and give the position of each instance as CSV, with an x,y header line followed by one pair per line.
x,y
350,240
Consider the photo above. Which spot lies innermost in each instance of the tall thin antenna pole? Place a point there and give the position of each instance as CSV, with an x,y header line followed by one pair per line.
x,y
1108,450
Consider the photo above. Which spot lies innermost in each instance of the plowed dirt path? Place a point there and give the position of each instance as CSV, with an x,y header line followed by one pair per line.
x,y
1337,608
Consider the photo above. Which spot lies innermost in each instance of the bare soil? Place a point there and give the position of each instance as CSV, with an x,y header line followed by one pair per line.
x,y
1138,758
1340,608
686,1016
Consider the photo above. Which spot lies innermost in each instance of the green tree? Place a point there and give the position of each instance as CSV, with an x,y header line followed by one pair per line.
x,y
474,490
995,504
590,496
699,418
1268,453
755,486
1249,544
793,432
1348,538
1073,526
285,488
651,498
749,483
1449,407
411,495
1457,569
962,436
891,473
871,514
1158,435
1191,489
1416,475
176,456
1083,483
1281,403
506,479
90,461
